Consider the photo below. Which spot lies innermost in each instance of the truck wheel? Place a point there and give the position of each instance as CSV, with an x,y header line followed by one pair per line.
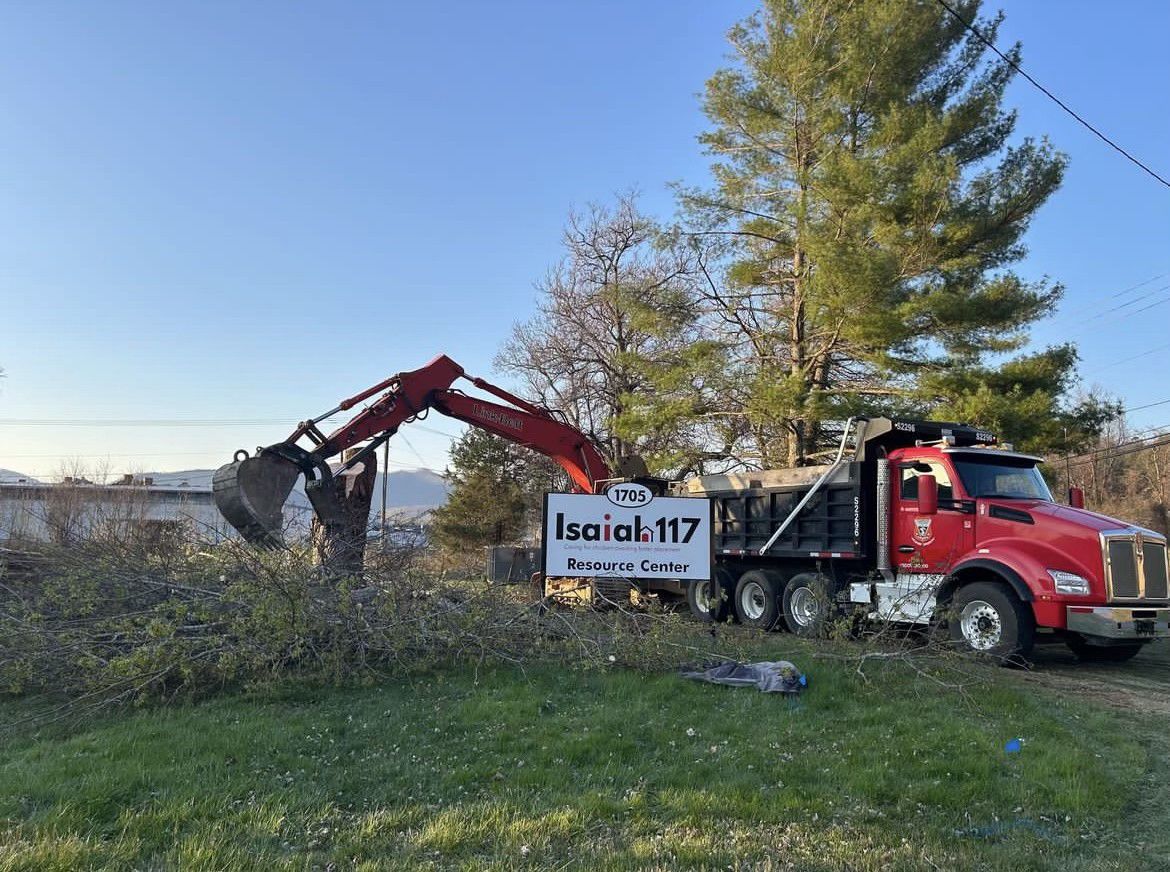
x,y
807,606
1103,653
757,598
705,607
989,619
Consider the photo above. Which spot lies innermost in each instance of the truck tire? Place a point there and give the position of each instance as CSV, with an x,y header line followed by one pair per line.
x,y
757,599
703,605
807,605
1103,653
989,619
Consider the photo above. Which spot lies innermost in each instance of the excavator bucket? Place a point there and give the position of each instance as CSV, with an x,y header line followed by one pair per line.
x,y
250,493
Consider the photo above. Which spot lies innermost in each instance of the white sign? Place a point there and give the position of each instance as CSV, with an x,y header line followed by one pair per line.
x,y
627,532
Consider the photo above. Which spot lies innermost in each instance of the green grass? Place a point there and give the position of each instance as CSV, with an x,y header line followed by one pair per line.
x,y
553,768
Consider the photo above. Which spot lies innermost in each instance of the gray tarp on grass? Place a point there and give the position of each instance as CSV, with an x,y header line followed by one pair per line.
x,y
776,676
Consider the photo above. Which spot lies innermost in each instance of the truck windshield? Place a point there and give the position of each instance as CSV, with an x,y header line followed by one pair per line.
x,y
992,478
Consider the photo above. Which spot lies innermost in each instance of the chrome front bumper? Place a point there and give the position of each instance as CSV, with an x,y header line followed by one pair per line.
x,y
1126,622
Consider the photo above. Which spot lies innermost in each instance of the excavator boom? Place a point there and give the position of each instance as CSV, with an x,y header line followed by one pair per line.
x,y
250,492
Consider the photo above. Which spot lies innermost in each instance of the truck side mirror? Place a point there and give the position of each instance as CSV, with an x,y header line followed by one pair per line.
x,y
927,495
1076,497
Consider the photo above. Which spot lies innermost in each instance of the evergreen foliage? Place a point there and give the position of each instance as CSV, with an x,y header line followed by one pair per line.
x,y
869,202
853,257
496,494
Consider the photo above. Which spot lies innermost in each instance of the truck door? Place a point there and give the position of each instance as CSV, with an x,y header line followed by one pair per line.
x,y
928,544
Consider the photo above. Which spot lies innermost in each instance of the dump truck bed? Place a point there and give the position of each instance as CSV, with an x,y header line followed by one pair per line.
x,y
749,507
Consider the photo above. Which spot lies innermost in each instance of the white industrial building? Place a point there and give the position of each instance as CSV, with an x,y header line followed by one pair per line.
x,y
77,509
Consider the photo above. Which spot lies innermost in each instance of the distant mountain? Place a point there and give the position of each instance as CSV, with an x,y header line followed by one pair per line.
x,y
8,476
416,488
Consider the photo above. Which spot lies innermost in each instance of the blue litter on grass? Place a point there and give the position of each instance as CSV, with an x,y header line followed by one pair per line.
x,y
1013,746
1004,828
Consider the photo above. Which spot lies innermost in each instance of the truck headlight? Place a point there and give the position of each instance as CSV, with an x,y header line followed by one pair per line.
x,y
1069,582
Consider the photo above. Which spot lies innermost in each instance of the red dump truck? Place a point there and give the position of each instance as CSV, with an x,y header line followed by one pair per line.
x,y
923,522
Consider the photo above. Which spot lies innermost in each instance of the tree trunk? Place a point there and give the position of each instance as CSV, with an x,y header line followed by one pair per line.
x,y
341,548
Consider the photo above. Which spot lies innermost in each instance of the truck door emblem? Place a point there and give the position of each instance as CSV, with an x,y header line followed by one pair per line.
x,y
923,535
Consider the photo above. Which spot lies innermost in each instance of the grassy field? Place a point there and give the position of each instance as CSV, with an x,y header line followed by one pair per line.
x,y
545,768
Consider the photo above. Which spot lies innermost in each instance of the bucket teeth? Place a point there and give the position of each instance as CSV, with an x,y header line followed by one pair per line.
x,y
251,493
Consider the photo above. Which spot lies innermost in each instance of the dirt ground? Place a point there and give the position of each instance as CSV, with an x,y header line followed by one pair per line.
x,y
1141,685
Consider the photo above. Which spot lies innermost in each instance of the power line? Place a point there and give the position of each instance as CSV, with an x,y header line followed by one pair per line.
x,y
142,422
1153,350
1137,438
1086,307
1147,406
174,422
411,447
452,437
92,456
1150,306
1131,288
1145,431
987,42
1117,318
1136,299
1121,450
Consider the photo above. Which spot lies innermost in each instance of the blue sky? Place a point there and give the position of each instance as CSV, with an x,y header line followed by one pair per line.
x,y
247,211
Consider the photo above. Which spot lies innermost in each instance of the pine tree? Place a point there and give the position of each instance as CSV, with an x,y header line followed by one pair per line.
x,y
870,202
496,496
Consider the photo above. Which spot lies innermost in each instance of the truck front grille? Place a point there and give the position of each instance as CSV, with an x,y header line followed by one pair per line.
x,y
1123,572
1155,561
1135,567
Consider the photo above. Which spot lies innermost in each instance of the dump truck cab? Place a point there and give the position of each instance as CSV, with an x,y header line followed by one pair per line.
x,y
1098,581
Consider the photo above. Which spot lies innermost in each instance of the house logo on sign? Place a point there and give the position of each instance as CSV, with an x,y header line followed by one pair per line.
x,y
923,534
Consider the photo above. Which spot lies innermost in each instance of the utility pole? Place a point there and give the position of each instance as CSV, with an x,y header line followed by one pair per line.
x,y
385,486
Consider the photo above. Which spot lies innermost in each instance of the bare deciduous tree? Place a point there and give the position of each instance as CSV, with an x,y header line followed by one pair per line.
x,y
614,344
1126,475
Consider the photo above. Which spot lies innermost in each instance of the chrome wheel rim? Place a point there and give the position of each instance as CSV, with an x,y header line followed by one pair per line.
x,y
804,606
753,601
981,625
703,597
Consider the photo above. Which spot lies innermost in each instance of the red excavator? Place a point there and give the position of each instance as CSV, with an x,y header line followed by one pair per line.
x,y
251,491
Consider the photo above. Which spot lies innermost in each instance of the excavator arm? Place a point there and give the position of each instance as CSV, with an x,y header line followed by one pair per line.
x,y
566,445
251,491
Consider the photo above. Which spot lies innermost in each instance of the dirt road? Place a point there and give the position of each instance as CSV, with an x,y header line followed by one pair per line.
x,y
1142,685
